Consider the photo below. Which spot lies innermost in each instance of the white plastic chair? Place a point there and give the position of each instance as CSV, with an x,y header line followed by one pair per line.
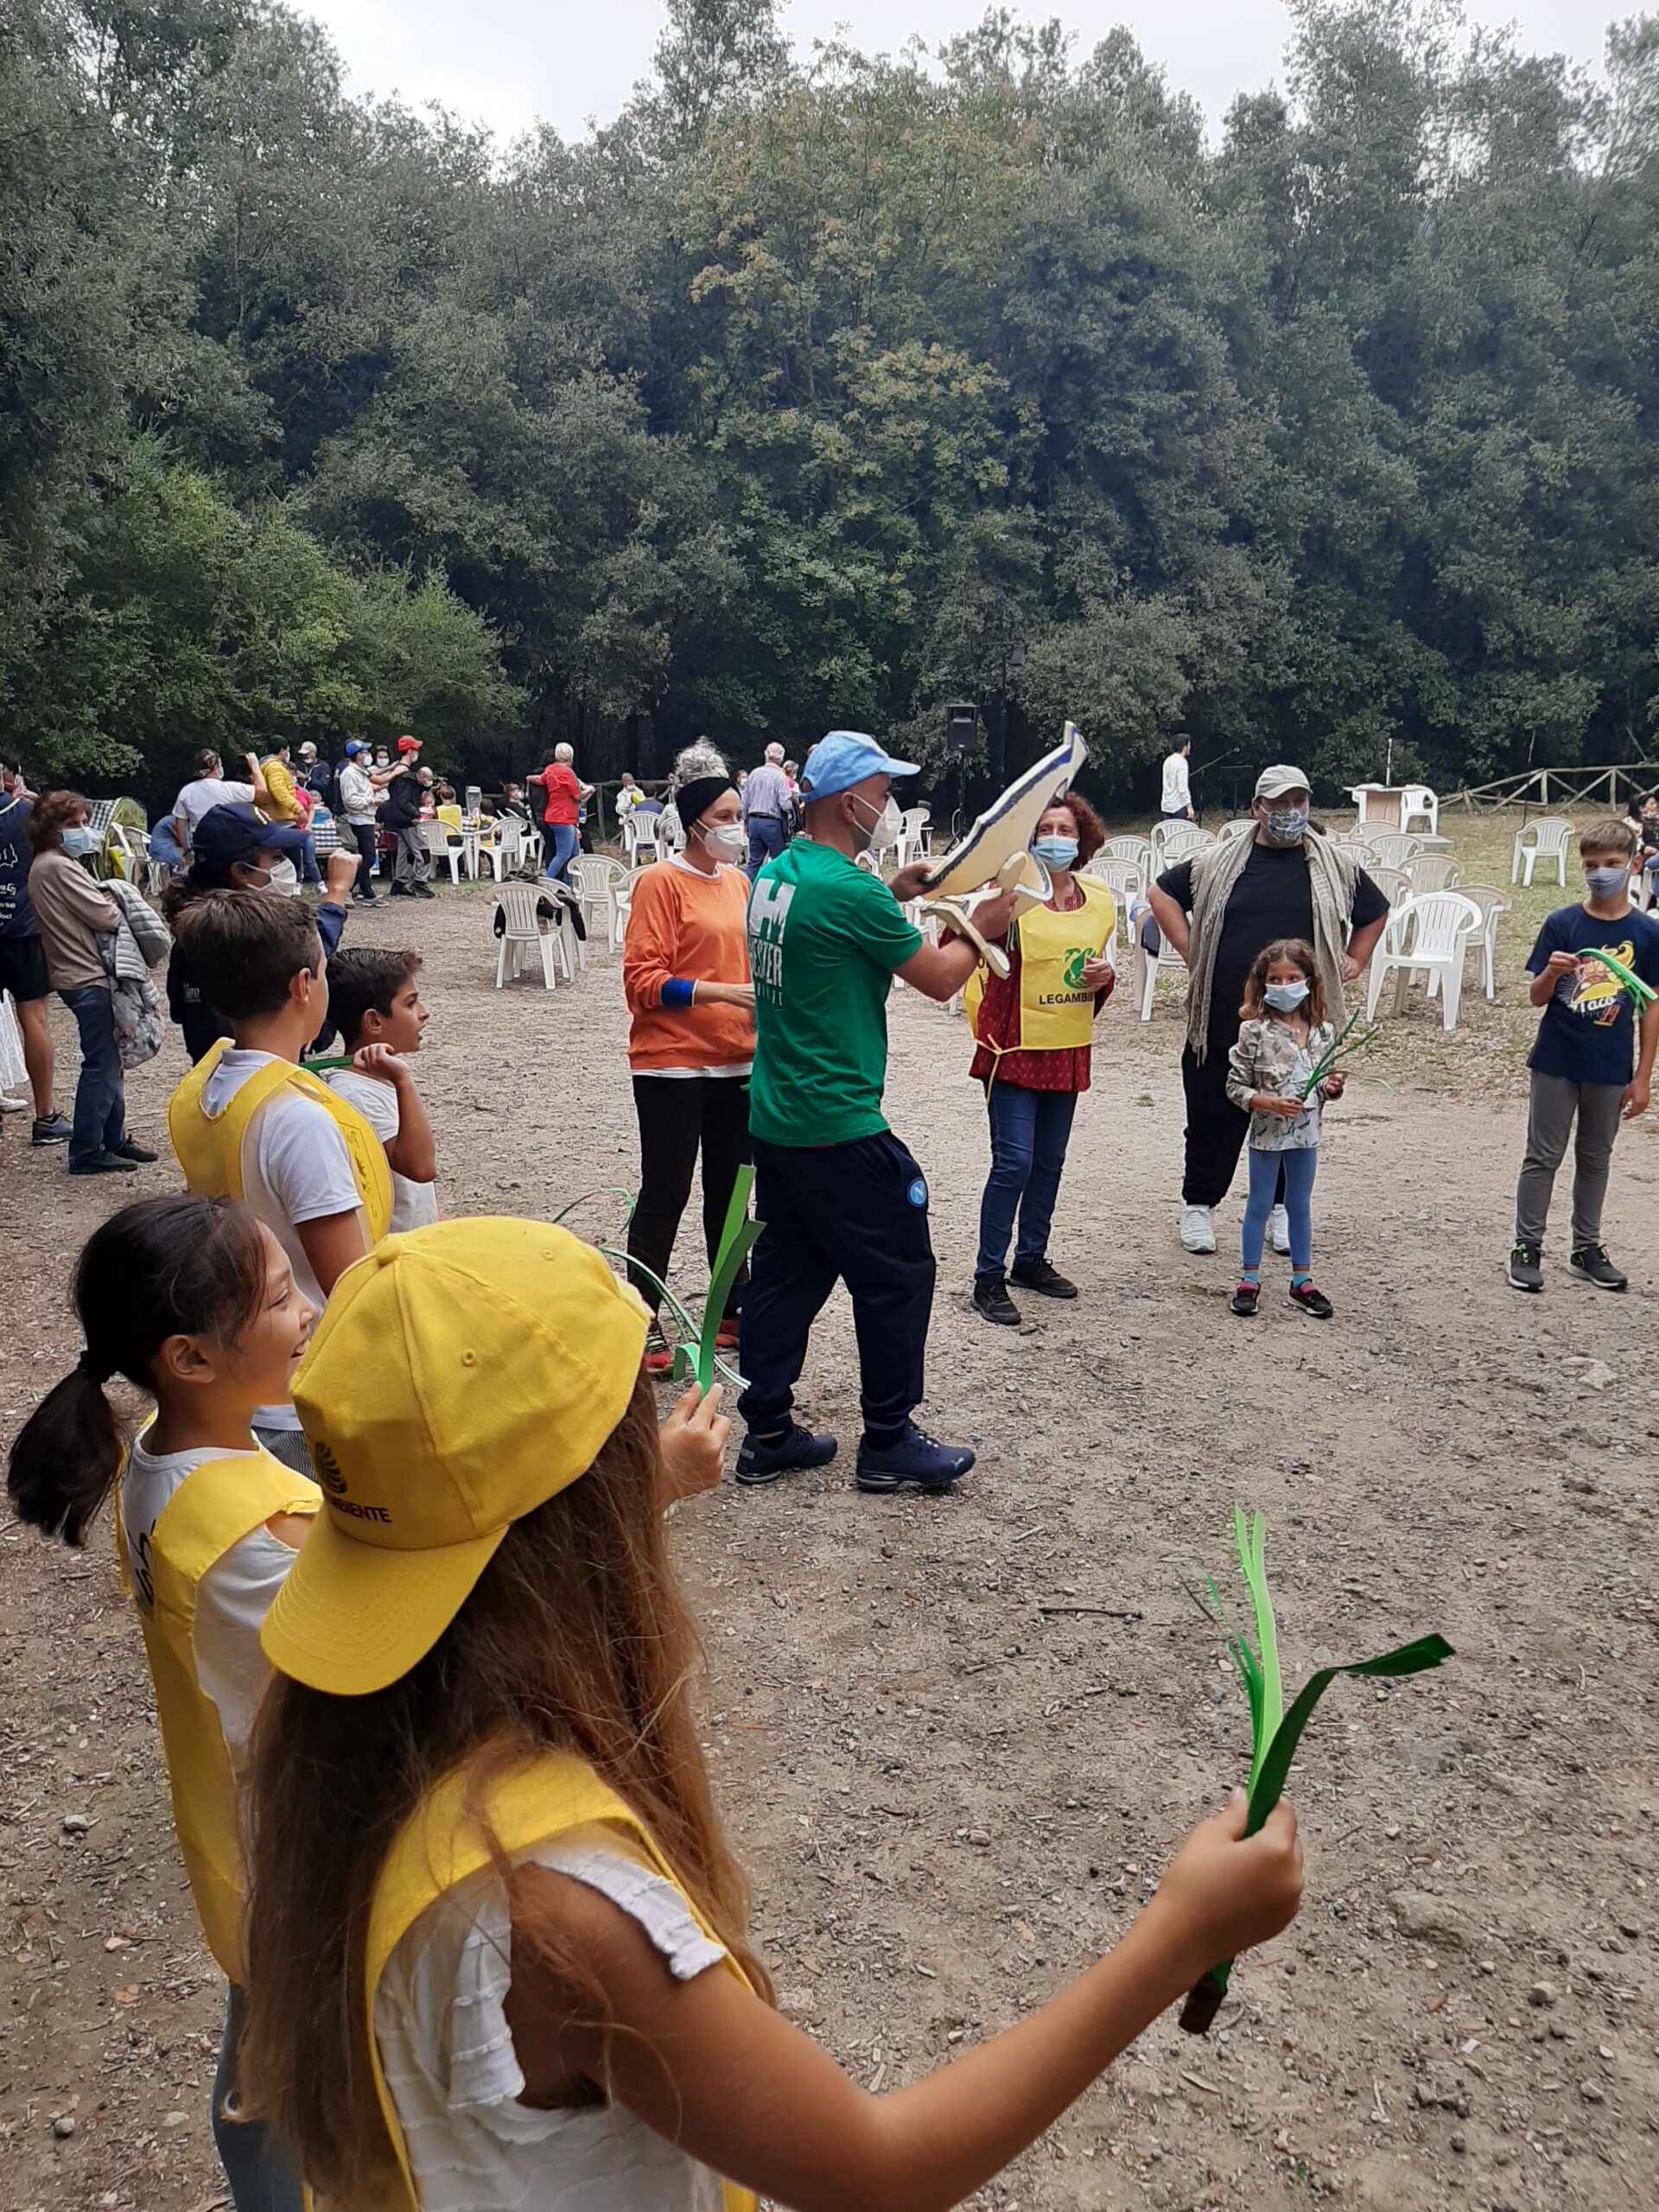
x,y
437,836
914,839
670,832
1148,965
1427,936
504,854
1393,883
593,878
1432,872
1138,850
1419,803
639,836
1241,825
530,924
1491,902
1393,848
1125,880
1174,841
1545,839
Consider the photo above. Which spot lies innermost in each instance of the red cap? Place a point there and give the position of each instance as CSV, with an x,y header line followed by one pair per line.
x,y
409,745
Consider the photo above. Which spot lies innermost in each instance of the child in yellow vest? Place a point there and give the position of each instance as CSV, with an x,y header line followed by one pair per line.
x,y
1032,1031
193,1301
497,1942
250,1123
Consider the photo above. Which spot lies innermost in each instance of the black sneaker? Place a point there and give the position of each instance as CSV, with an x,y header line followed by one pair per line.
x,y
50,1128
991,1297
424,891
790,1453
912,1459
1591,1264
104,1163
1246,1299
1038,1276
1311,1302
401,891
127,1149
1526,1269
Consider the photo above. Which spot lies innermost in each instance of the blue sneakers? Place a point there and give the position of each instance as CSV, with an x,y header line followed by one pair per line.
x,y
792,1453
912,1458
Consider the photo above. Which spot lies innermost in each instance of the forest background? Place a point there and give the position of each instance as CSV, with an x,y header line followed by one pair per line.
x,y
828,390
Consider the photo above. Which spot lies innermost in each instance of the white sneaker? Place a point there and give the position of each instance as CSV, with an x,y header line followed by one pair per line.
x,y
1279,1230
1198,1229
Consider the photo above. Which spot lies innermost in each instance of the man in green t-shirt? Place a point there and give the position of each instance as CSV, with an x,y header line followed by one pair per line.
x,y
840,1198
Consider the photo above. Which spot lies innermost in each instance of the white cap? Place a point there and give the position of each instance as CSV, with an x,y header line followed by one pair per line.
x,y
1274,783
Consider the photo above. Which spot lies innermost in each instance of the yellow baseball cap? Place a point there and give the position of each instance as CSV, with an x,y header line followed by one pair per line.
x,y
461,1375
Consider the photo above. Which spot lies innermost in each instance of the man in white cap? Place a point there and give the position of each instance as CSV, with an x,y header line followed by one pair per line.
x,y
1218,911
841,1198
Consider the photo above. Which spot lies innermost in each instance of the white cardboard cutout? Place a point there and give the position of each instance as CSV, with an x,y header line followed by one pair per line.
x,y
996,854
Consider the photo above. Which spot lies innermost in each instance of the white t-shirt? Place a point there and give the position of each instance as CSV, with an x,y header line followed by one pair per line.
x,y
295,1168
232,1597
207,792
439,2020
414,1206
1178,789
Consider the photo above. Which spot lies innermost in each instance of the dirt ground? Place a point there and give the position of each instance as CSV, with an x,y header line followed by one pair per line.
x,y
957,1740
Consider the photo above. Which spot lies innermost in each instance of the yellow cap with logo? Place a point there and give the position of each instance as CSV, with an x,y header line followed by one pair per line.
x,y
461,1375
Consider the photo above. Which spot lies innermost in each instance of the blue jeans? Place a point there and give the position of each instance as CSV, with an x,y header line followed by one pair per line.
x,y
1299,1168
164,845
560,844
768,835
260,2176
100,1115
1030,1130
309,871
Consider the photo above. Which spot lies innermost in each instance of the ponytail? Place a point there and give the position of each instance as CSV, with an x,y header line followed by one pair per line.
x,y
164,1267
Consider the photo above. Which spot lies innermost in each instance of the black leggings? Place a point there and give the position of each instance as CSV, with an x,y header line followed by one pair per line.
x,y
365,836
1216,1129
678,1114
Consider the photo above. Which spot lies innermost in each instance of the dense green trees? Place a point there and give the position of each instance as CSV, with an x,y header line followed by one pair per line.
x,y
827,390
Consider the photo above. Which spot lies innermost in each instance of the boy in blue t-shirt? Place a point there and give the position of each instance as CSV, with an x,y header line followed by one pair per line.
x,y
1592,1062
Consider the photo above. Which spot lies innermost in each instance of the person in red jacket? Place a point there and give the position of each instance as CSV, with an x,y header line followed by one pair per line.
x,y
686,974
562,798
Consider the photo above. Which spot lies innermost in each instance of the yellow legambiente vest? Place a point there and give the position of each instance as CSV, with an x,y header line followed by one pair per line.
x,y
209,1146
1057,1012
442,1845
215,1506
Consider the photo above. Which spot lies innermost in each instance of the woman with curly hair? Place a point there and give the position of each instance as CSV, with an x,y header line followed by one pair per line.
x,y
1032,1031
686,974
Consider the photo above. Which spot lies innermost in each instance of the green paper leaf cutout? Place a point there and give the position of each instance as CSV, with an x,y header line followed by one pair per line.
x,y
1643,994
735,1239
338,1060
1268,1785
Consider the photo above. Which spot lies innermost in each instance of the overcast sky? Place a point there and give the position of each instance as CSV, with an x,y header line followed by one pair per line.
x,y
507,62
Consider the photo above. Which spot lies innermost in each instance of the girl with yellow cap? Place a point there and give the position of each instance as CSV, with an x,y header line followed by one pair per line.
x,y
496,1940
190,1299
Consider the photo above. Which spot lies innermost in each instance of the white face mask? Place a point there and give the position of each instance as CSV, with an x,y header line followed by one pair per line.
x,y
285,877
885,830
727,841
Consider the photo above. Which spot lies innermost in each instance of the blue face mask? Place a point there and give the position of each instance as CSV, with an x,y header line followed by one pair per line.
x,y
1055,852
1287,825
78,842
1607,882
1284,998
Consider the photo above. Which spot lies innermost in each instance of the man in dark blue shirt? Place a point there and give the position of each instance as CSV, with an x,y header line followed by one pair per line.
x,y
1592,1062
22,964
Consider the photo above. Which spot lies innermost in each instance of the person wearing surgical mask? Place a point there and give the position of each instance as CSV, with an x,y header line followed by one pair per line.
x,y
1032,1031
237,850
77,920
1216,911
685,976
842,1197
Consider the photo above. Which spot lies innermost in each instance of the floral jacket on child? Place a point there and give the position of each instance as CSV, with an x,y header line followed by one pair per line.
x,y
1268,1059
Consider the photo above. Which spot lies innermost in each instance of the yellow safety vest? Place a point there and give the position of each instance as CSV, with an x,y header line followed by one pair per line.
x,y
209,1146
1056,1011
442,1845
215,1506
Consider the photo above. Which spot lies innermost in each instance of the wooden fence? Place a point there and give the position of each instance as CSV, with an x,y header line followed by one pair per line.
x,y
1546,787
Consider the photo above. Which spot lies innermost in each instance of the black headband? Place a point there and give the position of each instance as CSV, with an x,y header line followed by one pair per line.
x,y
693,799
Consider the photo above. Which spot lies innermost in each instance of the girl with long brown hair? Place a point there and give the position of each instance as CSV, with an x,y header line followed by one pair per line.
x,y
497,1936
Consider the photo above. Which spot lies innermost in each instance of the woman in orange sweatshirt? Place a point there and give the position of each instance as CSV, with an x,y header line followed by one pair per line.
x,y
685,972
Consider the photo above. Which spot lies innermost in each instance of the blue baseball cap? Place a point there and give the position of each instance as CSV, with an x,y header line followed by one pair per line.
x,y
351,746
845,758
227,834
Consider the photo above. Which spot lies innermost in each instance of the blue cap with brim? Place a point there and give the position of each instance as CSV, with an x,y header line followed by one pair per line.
x,y
227,834
846,757
351,746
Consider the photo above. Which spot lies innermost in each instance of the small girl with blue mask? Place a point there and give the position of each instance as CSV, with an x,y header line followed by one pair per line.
x,y
1282,1038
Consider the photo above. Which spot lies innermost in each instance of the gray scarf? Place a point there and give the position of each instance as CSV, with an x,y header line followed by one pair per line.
x,y
1333,877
